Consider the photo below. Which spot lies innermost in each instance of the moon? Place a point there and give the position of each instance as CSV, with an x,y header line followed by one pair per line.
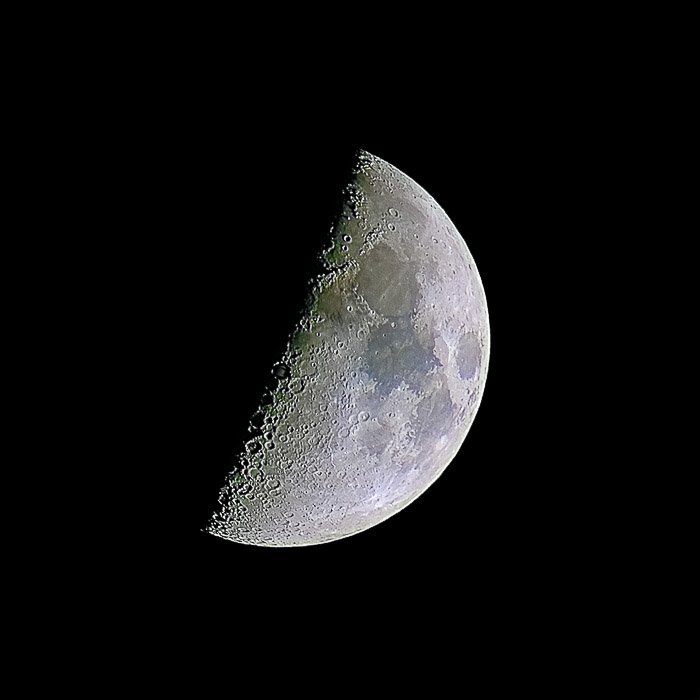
x,y
381,378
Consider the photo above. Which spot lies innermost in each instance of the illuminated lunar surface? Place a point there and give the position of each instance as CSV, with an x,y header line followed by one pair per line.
x,y
381,379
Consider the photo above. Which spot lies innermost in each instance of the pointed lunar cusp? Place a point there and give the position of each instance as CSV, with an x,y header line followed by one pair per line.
x,y
381,379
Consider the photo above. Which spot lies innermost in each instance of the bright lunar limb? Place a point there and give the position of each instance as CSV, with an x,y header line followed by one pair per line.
x,y
381,379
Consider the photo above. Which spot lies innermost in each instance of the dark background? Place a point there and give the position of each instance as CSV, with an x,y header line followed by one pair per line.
x,y
558,514
175,188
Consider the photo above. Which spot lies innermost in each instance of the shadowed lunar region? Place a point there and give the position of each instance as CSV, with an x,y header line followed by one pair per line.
x,y
381,378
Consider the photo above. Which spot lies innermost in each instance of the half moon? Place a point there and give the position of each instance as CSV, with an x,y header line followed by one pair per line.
x,y
381,378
